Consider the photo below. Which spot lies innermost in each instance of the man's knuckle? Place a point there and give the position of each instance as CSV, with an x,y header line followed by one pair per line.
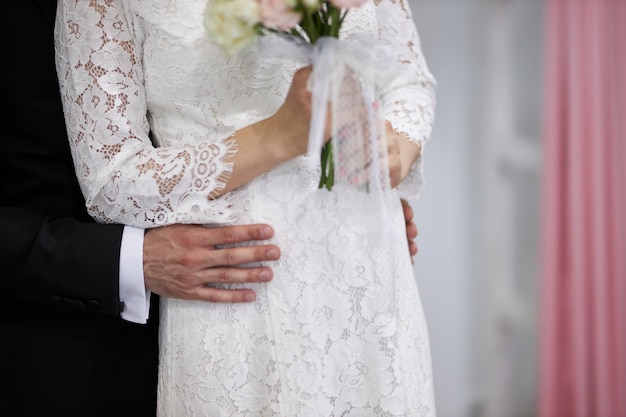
x,y
259,254
187,293
223,275
189,240
229,235
252,275
230,257
188,260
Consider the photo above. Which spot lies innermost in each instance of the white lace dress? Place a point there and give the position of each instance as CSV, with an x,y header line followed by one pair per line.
x,y
340,330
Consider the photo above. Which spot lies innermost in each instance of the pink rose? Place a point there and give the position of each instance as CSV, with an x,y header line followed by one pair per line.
x,y
278,14
348,4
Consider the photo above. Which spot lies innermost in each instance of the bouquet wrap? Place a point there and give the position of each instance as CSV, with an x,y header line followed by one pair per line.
x,y
346,78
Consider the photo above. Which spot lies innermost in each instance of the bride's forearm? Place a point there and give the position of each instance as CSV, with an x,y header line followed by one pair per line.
x,y
270,142
260,147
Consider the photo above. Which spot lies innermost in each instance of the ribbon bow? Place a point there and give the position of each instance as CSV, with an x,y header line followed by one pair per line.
x,y
347,74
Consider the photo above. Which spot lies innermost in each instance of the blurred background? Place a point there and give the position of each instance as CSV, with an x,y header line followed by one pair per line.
x,y
479,267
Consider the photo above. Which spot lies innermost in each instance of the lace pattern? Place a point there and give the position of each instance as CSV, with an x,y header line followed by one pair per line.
x,y
101,69
340,335
340,330
124,178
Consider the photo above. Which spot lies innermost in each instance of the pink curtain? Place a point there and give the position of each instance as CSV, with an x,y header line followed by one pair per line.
x,y
583,310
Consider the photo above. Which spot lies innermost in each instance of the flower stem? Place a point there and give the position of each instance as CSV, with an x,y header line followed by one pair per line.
x,y
327,177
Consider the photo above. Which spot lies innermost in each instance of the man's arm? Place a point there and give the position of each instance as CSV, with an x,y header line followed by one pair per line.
x,y
64,262
75,265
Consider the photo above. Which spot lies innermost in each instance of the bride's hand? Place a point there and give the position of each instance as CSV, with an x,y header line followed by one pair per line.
x,y
393,155
269,142
401,154
290,124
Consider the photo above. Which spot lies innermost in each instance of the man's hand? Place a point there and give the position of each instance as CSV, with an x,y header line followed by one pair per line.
x,y
180,260
411,228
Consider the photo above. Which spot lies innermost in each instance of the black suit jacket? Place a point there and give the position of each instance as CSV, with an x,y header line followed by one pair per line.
x,y
64,350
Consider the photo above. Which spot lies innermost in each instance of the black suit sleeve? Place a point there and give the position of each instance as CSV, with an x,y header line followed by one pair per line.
x,y
51,251
63,262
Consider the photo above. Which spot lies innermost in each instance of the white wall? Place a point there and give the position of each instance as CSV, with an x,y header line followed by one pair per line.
x,y
477,216
443,213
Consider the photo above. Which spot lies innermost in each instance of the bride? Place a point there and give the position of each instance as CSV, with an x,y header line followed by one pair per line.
x,y
340,330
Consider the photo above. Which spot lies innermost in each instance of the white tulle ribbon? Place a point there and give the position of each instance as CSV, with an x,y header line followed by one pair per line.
x,y
359,145
368,60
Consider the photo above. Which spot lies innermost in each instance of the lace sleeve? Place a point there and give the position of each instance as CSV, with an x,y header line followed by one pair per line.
x,y
123,177
410,100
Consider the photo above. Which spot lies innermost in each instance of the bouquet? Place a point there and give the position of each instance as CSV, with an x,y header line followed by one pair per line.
x,y
236,24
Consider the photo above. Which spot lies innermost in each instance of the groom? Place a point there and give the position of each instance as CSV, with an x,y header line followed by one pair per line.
x,y
73,291
70,344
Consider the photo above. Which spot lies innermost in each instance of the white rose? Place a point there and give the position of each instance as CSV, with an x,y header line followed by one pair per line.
x,y
311,4
232,24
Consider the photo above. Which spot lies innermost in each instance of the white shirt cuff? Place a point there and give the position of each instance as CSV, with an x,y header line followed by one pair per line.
x,y
133,293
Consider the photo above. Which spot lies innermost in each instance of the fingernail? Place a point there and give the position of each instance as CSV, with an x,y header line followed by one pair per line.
x,y
250,297
273,254
265,276
266,233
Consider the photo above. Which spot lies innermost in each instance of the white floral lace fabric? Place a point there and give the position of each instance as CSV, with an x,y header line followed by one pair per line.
x,y
340,330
